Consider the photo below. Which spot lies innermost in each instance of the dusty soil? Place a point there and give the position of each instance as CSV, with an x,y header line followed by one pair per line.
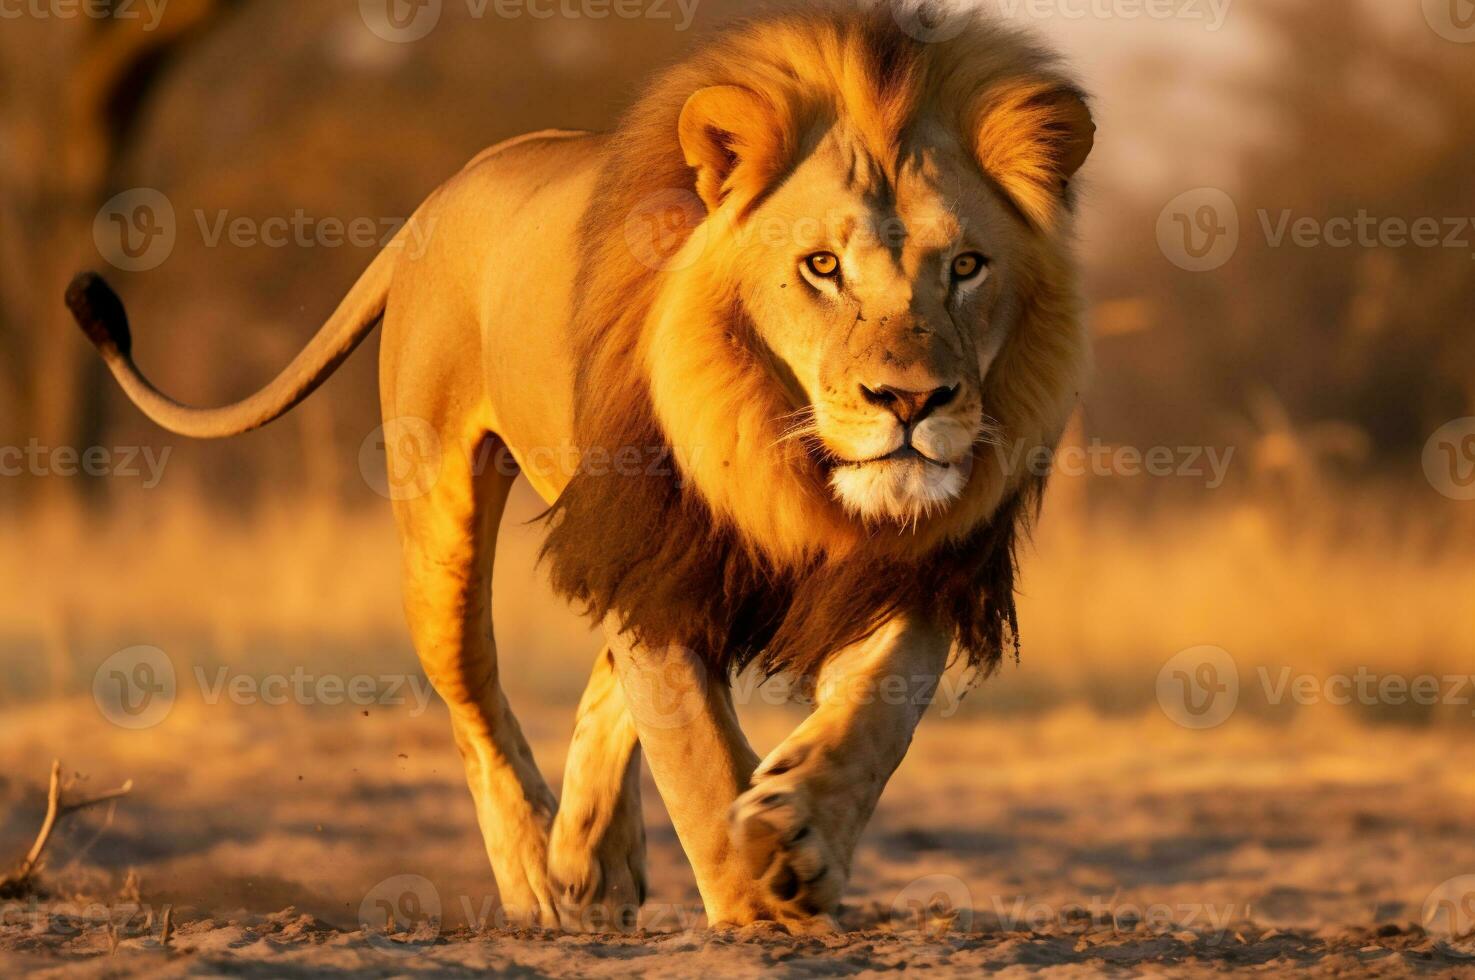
x,y
1065,845
290,944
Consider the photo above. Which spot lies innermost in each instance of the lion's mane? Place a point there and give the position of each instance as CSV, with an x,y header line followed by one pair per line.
x,y
731,545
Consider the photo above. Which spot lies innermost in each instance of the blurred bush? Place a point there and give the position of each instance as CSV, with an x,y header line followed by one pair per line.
x,y
1321,357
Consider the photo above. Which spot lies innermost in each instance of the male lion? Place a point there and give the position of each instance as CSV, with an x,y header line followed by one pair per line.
x,y
765,436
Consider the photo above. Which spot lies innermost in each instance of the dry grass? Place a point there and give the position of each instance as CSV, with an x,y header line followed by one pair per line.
x,y
1384,582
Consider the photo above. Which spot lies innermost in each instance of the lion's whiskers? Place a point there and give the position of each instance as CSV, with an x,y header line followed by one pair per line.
x,y
990,432
801,425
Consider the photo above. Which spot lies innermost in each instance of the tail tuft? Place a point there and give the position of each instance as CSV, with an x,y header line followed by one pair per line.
x,y
99,312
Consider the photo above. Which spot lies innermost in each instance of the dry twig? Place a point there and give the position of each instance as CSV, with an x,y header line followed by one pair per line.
x,y
19,881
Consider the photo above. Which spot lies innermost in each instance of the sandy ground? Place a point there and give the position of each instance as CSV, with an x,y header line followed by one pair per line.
x,y
1068,844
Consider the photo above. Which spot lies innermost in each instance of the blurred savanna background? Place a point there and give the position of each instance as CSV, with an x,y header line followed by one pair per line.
x,y
1272,475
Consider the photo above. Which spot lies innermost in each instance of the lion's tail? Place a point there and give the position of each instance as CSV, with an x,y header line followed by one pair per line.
x,y
99,312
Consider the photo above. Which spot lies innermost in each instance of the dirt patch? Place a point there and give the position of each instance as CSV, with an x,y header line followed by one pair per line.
x,y
1068,844
290,944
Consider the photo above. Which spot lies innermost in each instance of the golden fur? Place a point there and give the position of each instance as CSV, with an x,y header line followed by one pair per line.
x,y
764,497
670,356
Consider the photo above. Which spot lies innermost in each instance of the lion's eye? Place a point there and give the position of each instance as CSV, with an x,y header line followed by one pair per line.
x,y
823,264
968,265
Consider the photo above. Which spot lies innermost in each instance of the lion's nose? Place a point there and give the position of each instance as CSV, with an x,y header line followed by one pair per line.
x,y
909,407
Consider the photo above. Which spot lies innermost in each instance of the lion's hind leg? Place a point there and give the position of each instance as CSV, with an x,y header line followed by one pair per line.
x,y
596,856
448,526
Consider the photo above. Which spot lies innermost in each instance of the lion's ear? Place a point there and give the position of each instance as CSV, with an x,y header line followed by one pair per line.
x,y
732,138
1032,135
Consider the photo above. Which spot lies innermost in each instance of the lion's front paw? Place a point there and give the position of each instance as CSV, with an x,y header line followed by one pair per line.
x,y
788,850
597,874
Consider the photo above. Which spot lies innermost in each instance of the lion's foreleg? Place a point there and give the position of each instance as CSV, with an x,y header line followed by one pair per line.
x,y
596,855
701,762
798,825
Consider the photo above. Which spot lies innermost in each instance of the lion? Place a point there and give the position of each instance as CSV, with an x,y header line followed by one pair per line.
x,y
757,349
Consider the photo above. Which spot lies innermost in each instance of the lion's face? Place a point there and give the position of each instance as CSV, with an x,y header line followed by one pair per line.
x,y
884,302
876,281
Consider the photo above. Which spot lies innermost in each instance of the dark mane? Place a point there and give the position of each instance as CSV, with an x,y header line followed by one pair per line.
x,y
647,548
